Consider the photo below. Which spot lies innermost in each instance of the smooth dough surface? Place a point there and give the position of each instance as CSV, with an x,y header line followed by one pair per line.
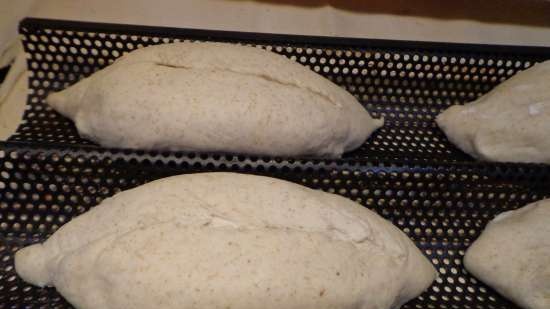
x,y
512,255
224,240
215,97
511,123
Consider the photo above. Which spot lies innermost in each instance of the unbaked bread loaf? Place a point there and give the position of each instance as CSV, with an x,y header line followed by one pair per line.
x,y
509,124
512,255
215,97
223,240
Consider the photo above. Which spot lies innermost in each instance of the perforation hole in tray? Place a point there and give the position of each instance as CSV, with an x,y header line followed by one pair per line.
x,y
406,86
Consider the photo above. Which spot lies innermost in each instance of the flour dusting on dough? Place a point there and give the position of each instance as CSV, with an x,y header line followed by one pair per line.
x,y
536,108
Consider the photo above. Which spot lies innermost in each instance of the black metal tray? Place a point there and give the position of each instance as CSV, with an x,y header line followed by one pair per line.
x,y
408,83
407,171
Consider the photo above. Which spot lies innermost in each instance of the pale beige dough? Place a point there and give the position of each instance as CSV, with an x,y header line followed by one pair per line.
x,y
511,123
512,255
223,240
215,97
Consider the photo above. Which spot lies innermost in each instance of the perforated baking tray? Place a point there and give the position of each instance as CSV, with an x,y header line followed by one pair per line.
x,y
408,83
408,172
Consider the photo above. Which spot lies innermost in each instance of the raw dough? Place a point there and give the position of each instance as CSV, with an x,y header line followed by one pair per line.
x,y
223,240
512,255
215,97
509,124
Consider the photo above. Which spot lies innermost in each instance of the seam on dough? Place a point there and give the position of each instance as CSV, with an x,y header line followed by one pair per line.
x,y
262,76
332,231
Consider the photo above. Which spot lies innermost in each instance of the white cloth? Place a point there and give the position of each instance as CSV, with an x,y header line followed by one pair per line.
x,y
447,21
11,11
13,94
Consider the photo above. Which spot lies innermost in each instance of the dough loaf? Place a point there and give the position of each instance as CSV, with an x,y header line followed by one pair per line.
x,y
509,124
215,97
512,255
223,240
